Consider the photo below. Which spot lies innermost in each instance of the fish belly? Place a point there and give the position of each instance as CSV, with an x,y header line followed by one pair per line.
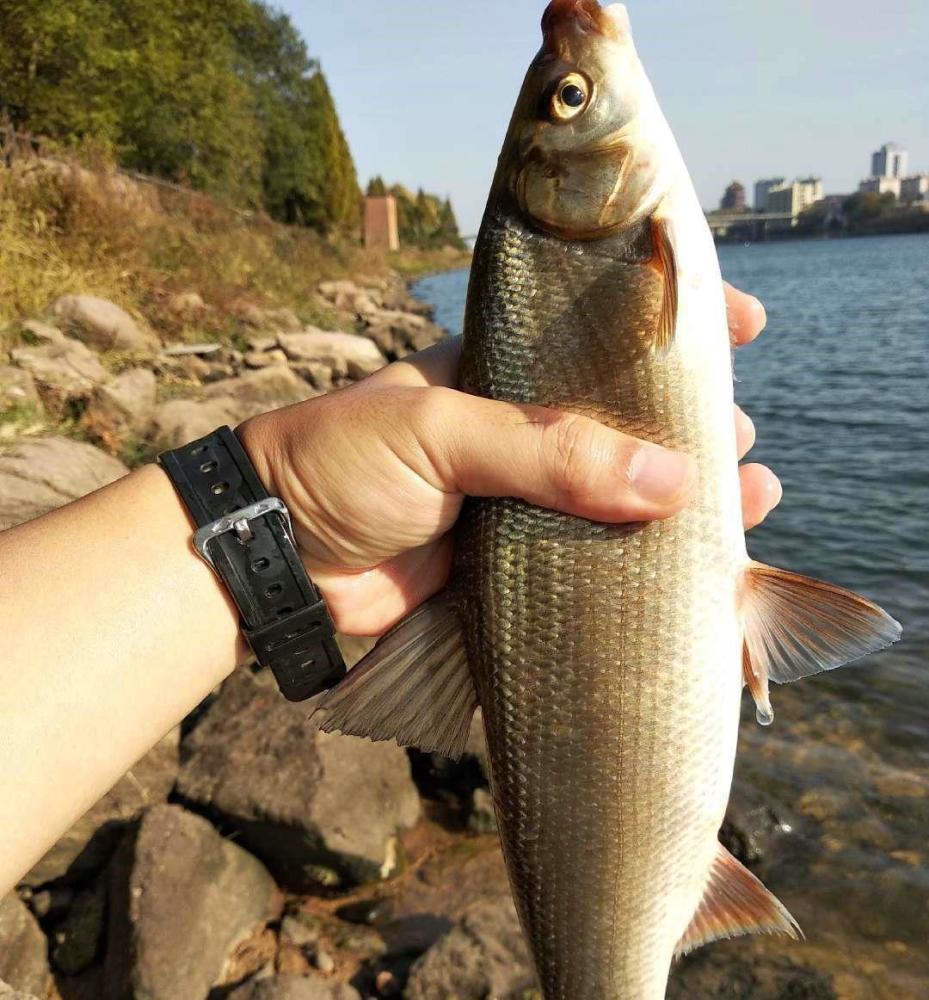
x,y
607,659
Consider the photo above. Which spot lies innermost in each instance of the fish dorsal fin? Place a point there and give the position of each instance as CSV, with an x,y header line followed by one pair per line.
x,y
735,903
665,262
414,687
796,627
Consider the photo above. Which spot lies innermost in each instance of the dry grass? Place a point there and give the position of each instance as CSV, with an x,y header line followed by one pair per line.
x,y
66,229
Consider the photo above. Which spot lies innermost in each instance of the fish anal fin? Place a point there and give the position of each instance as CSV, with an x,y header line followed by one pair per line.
x,y
414,687
735,903
665,262
796,627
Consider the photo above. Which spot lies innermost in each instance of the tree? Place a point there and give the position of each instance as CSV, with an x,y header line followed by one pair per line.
x,y
377,188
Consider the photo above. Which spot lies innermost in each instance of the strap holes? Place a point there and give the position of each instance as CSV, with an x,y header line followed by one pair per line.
x,y
209,467
274,590
219,489
199,450
260,565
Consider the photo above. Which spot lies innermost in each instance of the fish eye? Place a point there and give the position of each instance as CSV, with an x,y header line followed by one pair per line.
x,y
570,98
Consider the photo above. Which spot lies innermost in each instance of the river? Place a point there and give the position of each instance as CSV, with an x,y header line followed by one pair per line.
x,y
839,390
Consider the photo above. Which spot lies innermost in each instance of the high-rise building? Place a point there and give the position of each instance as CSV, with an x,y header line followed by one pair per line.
x,y
914,189
881,185
889,161
734,200
792,199
763,189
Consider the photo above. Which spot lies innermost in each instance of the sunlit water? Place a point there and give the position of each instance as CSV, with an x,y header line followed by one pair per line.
x,y
839,390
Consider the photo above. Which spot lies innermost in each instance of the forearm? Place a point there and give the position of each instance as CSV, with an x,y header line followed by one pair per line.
x,y
114,630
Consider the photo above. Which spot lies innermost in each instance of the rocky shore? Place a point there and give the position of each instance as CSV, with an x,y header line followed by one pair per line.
x,y
247,857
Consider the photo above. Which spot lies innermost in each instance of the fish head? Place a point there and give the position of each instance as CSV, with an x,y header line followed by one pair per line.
x,y
587,151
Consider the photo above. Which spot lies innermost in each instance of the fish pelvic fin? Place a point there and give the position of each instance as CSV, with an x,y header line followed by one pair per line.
x,y
735,903
665,262
414,687
796,627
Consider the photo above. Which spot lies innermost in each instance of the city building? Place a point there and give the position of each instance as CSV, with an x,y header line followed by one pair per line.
x,y
763,189
792,199
889,161
881,185
734,200
914,189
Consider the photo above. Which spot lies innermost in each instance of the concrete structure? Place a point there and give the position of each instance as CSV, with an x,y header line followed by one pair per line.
x,y
381,228
889,161
914,189
763,189
881,185
791,199
734,199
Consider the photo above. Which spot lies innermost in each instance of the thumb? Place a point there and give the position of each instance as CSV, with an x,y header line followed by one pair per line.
x,y
565,462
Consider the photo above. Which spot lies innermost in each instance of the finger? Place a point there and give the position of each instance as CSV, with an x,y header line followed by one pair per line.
x,y
744,432
761,493
479,447
370,603
436,366
747,316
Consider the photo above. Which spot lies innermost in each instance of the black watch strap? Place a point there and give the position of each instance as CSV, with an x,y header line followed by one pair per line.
x,y
245,534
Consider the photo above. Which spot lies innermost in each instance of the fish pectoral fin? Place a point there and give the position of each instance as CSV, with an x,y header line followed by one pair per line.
x,y
735,903
414,687
665,262
796,627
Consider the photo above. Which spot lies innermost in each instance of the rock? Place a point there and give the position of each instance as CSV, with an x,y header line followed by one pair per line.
x,y
724,970
189,899
180,421
191,350
44,333
400,333
284,320
63,371
90,843
187,304
347,297
345,353
306,803
483,819
8,993
17,390
122,407
23,948
102,324
265,359
262,343
40,474
78,937
485,955
258,391
294,988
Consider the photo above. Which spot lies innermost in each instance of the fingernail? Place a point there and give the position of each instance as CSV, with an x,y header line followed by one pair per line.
x,y
661,476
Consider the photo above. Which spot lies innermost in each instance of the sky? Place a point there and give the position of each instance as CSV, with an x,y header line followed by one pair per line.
x,y
752,89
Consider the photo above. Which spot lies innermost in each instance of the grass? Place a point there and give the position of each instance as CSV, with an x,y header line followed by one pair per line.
x,y
66,229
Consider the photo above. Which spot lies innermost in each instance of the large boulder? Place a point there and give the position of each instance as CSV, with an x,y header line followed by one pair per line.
x,y
17,390
64,371
23,948
122,407
181,900
90,843
180,421
311,805
294,988
347,297
402,333
102,324
344,353
258,391
484,955
38,475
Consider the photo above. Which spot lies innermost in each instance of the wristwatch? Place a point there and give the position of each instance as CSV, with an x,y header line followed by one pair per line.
x,y
247,537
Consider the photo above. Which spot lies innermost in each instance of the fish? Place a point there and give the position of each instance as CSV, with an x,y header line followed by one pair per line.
x,y
609,661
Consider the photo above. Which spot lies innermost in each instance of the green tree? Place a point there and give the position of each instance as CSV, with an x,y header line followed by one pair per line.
x,y
377,188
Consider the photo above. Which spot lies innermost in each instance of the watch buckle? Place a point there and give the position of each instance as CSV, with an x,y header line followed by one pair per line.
x,y
238,523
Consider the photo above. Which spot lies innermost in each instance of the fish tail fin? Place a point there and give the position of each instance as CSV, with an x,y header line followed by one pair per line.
x,y
796,627
735,903
414,687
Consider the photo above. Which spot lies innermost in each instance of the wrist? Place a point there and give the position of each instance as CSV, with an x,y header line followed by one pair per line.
x,y
261,437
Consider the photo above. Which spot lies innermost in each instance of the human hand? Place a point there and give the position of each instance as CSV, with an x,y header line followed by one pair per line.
x,y
375,475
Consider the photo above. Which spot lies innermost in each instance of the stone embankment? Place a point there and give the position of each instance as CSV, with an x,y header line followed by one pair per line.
x,y
247,857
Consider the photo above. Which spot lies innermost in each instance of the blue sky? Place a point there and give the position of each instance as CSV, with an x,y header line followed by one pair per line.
x,y
752,89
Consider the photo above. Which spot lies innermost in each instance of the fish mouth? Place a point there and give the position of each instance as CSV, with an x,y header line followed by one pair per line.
x,y
580,15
